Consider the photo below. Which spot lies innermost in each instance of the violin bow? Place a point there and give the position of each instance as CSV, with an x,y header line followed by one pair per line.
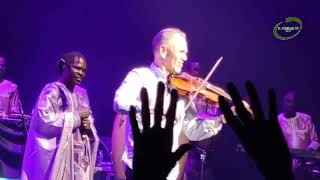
x,y
203,82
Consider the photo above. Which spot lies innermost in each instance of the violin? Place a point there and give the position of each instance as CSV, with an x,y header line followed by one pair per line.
x,y
188,85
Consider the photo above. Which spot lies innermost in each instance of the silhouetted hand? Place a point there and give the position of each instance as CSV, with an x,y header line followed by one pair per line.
x,y
262,138
153,156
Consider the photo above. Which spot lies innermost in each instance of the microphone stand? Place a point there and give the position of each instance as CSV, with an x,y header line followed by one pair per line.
x,y
203,156
26,129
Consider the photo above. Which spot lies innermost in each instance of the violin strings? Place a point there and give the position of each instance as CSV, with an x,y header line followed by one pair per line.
x,y
203,83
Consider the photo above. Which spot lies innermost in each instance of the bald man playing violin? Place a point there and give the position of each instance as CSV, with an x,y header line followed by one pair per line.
x,y
170,51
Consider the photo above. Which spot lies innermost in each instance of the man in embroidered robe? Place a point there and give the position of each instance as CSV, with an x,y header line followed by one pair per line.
x,y
62,140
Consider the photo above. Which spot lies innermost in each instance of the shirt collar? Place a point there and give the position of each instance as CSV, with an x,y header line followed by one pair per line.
x,y
287,119
161,75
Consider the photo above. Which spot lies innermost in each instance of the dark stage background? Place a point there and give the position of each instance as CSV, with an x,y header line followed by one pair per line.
x,y
116,36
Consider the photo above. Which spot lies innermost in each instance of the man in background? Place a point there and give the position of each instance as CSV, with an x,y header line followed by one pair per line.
x,y
297,127
9,97
12,130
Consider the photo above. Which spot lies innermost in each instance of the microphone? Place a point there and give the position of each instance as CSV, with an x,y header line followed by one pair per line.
x,y
83,130
83,134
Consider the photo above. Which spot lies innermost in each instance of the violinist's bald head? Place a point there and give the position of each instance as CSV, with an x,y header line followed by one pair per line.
x,y
164,37
170,49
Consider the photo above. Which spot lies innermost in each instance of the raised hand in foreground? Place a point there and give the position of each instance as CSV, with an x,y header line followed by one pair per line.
x,y
153,157
262,138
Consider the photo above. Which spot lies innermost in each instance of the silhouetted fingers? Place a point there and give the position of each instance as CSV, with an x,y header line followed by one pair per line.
x,y
134,123
158,110
145,111
273,109
180,151
236,98
277,136
255,101
171,113
170,117
235,123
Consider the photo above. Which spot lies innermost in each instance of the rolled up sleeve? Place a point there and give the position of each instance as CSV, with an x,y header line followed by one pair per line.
x,y
128,93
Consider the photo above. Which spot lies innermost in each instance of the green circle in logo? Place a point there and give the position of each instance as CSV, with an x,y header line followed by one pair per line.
x,y
285,32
